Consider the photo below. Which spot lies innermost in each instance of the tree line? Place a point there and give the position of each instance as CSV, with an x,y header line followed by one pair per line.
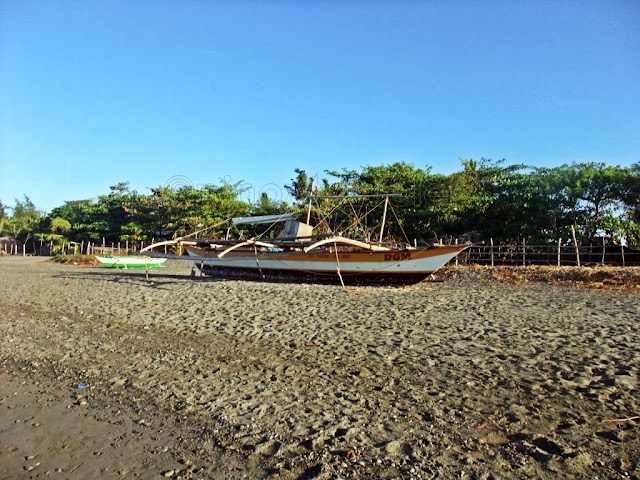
x,y
484,200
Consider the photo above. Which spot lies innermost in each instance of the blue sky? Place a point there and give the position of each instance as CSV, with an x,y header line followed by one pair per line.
x,y
158,92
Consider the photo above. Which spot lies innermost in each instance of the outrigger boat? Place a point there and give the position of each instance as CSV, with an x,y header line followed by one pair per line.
x,y
131,262
299,252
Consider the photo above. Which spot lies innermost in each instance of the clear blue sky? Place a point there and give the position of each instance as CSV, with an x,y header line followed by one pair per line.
x,y
157,91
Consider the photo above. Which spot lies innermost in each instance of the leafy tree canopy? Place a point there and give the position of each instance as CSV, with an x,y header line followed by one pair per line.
x,y
484,199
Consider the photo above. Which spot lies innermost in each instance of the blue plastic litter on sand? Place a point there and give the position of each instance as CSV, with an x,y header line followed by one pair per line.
x,y
81,385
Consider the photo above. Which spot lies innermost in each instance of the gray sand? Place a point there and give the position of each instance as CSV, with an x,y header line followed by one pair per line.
x,y
218,379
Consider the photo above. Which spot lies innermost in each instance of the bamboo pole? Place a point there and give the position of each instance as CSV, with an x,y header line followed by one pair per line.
x,y
384,218
338,267
310,200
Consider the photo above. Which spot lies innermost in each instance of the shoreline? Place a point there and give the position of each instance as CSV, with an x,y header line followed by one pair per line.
x,y
470,375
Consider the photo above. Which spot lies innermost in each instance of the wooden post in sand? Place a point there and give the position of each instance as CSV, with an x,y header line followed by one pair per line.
x,y
622,252
524,252
603,251
416,243
559,242
575,243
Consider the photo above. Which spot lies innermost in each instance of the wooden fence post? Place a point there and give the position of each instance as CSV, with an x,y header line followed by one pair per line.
x,y
492,258
559,242
622,250
524,252
575,243
603,251
165,250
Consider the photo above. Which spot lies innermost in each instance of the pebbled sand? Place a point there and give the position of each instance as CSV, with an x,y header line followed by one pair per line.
x,y
469,378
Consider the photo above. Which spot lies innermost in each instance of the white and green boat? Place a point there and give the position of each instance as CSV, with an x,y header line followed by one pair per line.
x,y
131,262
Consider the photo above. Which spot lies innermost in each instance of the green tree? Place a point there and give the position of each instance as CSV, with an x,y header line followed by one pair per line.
x,y
408,216
591,193
299,188
630,218
24,219
57,234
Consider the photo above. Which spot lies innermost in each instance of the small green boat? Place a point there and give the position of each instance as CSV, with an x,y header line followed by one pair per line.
x,y
131,262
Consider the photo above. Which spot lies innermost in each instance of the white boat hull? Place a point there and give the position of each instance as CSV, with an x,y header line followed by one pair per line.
x,y
397,265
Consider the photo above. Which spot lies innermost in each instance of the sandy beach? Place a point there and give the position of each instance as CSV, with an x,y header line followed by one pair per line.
x,y
105,374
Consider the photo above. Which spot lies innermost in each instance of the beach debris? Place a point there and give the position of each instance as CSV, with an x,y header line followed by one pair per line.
x,y
81,385
484,427
621,420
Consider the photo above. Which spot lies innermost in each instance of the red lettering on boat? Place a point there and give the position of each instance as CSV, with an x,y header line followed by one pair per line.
x,y
396,256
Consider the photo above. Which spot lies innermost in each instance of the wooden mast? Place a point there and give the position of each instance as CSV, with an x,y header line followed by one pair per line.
x,y
310,200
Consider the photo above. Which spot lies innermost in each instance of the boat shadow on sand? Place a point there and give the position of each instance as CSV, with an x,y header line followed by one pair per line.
x,y
158,279
155,278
